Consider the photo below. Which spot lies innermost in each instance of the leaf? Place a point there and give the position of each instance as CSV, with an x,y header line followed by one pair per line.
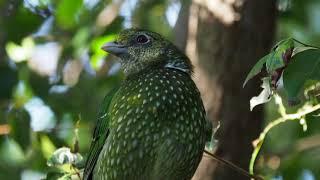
x,y
47,146
11,153
264,96
68,13
304,66
257,68
97,58
64,156
20,53
277,61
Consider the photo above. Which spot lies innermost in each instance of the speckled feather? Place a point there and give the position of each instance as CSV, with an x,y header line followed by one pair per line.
x,y
156,120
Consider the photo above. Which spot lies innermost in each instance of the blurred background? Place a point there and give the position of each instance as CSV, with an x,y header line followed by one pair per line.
x,y
54,74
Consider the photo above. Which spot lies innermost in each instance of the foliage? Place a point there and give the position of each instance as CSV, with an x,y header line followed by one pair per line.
x,y
52,68
296,66
53,71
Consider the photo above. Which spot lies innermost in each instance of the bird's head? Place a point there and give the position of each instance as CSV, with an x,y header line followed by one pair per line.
x,y
139,50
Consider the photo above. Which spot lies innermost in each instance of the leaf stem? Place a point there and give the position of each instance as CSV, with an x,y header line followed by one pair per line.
x,y
233,166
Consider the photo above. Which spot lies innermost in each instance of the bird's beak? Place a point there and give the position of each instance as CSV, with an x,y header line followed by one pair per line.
x,y
114,48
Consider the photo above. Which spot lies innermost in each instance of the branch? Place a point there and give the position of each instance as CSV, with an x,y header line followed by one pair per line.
x,y
306,109
233,166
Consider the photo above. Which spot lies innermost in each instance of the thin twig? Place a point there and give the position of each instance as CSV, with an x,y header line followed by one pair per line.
x,y
233,166
285,117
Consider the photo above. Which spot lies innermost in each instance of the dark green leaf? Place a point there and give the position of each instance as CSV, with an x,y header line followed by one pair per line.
x,y
305,66
20,118
276,61
256,68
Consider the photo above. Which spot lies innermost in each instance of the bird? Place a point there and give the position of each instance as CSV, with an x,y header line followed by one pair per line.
x,y
153,126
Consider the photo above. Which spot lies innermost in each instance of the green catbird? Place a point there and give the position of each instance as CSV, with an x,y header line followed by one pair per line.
x,y
152,127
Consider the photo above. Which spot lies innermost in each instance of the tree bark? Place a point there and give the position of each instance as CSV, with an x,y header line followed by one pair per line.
x,y
225,39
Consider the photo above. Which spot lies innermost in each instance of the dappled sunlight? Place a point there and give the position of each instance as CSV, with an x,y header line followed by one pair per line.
x,y
42,117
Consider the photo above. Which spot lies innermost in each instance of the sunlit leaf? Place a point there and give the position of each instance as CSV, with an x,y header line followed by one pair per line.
x,y
45,57
42,117
31,175
257,68
67,13
97,43
64,156
47,146
98,55
304,66
20,53
264,96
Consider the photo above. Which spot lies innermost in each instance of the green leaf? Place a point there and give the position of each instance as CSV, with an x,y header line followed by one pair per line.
x,y
264,96
96,60
17,118
304,66
20,53
276,61
22,93
64,156
68,13
11,153
54,175
257,68
47,146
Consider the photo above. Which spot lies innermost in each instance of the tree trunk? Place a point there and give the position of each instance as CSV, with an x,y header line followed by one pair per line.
x,y
225,39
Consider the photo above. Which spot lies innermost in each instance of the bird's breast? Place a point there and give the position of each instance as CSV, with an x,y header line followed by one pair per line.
x,y
148,110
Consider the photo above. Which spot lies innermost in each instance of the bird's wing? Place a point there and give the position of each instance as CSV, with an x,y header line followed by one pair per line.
x,y
100,134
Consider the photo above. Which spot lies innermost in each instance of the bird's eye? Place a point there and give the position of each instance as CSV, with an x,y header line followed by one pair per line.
x,y
142,39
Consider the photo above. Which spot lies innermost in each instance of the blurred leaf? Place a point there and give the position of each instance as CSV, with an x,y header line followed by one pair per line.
x,y
22,93
54,175
264,96
42,116
45,57
47,146
276,61
11,152
98,53
8,79
98,42
67,13
20,53
22,23
305,66
19,121
79,41
71,72
257,68
64,156
31,175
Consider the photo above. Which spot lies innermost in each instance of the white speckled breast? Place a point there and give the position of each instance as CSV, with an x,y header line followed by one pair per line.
x,y
157,124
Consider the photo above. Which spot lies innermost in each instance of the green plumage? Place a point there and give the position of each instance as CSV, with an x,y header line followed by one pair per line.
x,y
153,126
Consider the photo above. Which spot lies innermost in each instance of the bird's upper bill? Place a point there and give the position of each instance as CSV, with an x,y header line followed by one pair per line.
x,y
114,48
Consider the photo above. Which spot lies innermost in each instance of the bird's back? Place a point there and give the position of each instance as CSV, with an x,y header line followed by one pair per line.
x,y
157,128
